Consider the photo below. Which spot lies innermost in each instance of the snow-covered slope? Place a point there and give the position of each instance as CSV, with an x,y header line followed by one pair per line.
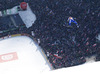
x,y
20,55
30,61
90,68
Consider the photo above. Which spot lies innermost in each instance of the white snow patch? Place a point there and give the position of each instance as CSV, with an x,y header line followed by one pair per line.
x,y
30,60
98,37
91,59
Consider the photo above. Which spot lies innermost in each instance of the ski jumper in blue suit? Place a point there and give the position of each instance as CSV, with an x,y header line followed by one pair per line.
x,y
71,20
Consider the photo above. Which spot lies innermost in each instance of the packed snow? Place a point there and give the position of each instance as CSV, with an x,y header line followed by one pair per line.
x,y
30,59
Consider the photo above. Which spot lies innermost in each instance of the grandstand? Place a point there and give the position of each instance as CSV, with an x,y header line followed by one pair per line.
x,y
63,46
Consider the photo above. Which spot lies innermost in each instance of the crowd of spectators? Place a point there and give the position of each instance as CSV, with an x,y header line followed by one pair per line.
x,y
65,46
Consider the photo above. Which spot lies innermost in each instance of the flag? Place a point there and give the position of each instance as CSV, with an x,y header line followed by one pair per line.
x,y
56,55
